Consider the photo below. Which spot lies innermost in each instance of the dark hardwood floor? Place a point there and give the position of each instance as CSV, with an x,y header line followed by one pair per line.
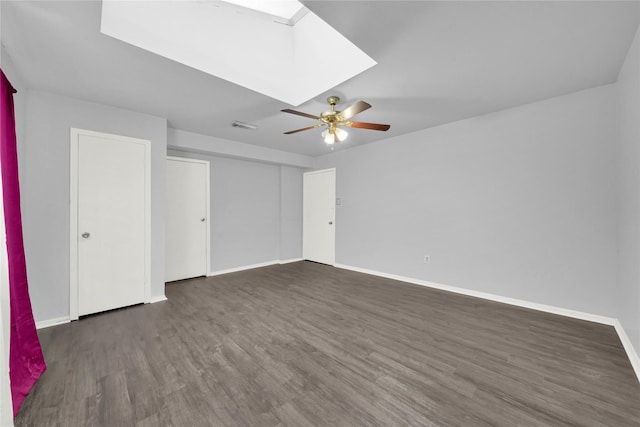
x,y
305,344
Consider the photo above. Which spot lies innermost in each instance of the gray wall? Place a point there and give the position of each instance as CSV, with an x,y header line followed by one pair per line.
x,y
628,161
290,213
45,190
245,220
196,143
519,203
255,218
19,98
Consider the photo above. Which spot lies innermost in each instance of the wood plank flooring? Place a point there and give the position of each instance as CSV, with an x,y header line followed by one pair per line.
x,y
305,344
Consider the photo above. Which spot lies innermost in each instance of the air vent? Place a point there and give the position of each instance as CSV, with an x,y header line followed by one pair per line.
x,y
242,125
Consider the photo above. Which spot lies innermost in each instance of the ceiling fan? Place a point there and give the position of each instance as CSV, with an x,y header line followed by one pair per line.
x,y
333,119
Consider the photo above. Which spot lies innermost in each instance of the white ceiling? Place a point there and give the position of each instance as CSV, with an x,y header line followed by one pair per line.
x,y
438,62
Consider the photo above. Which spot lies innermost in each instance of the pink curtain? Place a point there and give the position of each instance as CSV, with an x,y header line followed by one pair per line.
x,y
26,362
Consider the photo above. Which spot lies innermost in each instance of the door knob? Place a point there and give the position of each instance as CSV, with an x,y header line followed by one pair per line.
x,y
330,222
202,220
85,235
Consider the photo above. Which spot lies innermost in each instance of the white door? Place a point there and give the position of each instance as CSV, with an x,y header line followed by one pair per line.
x,y
319,216
110,183
187,219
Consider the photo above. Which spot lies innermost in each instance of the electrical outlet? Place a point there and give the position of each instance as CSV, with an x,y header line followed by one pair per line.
x,y
426,259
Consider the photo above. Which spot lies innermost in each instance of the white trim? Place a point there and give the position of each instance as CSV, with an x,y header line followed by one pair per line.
x,y
320,171
73,224
628,347
188,160
626,342
73,213
6,408
158,298
66,319
242,268
512,301
207,163
290,260
52,322
147,214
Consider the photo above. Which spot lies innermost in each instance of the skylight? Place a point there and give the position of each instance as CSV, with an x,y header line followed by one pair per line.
x,y
285,62
284,11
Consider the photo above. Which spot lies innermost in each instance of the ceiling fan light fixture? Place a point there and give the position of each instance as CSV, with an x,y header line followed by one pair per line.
x,y
330,135
341,134
333,119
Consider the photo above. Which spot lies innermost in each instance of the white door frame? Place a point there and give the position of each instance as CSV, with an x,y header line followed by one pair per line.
x,y
73,214
6,408
208,201
333,228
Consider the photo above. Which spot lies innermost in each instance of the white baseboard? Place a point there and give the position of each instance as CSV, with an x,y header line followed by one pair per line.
x,y
628,347
512,301
290,260
52,322
626,343
66,319
251,266
242,268
157,298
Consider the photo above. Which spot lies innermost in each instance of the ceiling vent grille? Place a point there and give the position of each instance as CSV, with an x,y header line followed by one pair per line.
x,y
243,125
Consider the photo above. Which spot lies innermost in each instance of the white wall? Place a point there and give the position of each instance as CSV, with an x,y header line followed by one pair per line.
x,y
256,210
45,190
628,184
518,203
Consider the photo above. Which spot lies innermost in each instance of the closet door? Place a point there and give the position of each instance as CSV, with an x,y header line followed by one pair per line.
x,y
187,219
110,222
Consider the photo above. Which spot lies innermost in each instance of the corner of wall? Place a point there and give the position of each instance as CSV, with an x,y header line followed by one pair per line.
x,y
627,145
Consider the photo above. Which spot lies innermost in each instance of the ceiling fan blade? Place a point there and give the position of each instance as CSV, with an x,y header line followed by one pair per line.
x,y
354,109
372,126
307,128
300,113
